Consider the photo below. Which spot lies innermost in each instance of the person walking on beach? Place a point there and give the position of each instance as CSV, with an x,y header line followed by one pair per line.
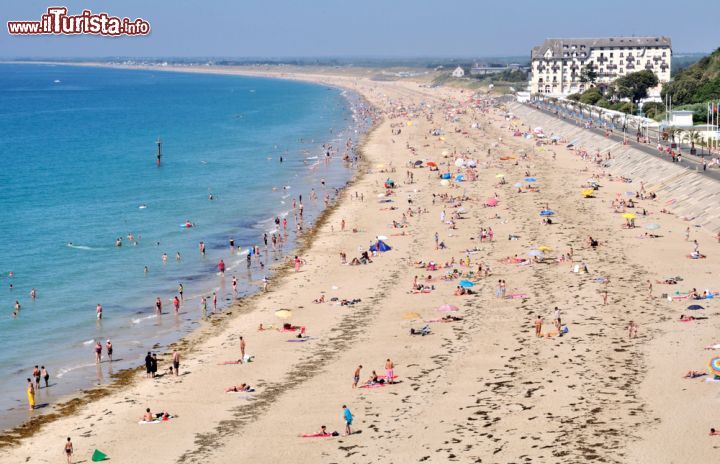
x,y
650,288
203,307
98,351
68,450
234,283
348,417
148,365
153,365
109,349
389,371
242,349
298,262
31,394
437,241
214,301
45,376
180,291
221,267
356,376
538,326
158,305
176,362
632,329
176,304
36,376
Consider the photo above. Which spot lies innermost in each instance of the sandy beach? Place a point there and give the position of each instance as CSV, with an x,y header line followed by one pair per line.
x,y
483,388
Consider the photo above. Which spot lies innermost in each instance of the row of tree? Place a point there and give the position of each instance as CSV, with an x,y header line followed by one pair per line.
x,y
633,87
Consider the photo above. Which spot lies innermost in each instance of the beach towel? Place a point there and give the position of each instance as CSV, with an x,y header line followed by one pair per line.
x,y
516,295
156,421
299,340
711,379
316,435
373,385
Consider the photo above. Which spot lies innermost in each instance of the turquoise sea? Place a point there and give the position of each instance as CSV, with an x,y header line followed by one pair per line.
x,y
78,171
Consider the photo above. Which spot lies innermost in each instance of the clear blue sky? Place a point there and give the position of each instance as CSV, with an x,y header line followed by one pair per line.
x,y
371,28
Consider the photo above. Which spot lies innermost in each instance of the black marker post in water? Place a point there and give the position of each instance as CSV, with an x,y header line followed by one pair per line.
x,y
159,152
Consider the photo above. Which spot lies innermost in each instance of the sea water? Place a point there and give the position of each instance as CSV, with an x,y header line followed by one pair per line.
x,y
78,171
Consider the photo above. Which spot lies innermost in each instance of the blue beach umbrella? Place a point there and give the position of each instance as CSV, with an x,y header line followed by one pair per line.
x,y
447,175
466,284
546,212
694,307
459,178
530,179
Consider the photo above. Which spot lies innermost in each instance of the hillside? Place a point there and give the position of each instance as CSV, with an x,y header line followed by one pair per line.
x,y
698,83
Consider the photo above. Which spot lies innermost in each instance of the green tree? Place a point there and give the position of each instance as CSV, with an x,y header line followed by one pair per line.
x,y
589,74
574,97
590,96
653,109
635,85
603,103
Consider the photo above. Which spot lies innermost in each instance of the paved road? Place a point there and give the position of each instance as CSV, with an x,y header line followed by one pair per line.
x,y
688,162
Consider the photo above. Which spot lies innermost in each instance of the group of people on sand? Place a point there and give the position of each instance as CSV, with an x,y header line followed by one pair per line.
x,y
375,378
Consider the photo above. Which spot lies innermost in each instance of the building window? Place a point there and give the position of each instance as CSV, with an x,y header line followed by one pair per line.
x,y
611,54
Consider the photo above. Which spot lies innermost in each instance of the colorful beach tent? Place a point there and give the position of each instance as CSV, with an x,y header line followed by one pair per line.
x,y
99,456
380,246
714,366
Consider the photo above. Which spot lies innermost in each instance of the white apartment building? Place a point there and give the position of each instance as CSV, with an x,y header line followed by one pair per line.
x,y
558,63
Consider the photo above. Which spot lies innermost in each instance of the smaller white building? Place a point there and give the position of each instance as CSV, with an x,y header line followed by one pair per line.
x,y
458,72
681,119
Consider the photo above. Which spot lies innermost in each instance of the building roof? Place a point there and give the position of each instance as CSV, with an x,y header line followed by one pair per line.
x,y
556,45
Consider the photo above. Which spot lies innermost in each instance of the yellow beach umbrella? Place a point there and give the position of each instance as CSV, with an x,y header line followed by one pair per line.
x,y
587,193
283,313
544,248
499,175
411,316
629,216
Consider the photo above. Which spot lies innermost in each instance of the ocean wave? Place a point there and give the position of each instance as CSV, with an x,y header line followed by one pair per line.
x,y
83,247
